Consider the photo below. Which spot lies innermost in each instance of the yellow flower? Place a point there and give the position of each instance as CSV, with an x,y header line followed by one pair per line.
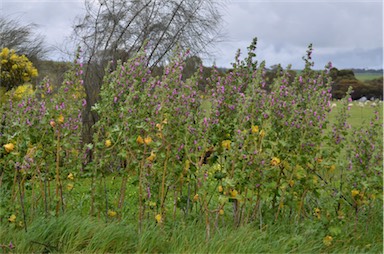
x,y
220,188
23,91
148,140
69,186
354,193
108,143
291,183
255,129
226,144
262,133
4,52
9,147
196,197
140,140
152,157
221,212
60,119
112,213
159,126
327,240
12,218
319,160
158,218
317,213
233,193
70,176
275,161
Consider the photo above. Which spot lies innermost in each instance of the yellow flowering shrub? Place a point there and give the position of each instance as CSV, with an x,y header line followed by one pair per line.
x,y
15,69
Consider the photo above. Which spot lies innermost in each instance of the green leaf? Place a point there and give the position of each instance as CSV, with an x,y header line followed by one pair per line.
x,y
334,230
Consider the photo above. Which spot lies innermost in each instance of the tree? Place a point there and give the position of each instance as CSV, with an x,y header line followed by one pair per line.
x,y
114,30
22,39
117,29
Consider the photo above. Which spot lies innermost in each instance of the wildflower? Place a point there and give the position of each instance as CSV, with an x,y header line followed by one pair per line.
x,y
12,218
221,212
226,144
108,143
9,147
255,129
319,160
70,176
148,140
233,193
196,197
354,193
291,183
262,133
60,119
11,246
317,213
112,213
159,126
275,161
69,186
52,123
152,157
140,140
327,240
158,218
332,168
220,188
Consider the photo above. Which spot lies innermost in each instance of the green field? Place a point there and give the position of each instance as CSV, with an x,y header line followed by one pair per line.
x,y
367,76
359,115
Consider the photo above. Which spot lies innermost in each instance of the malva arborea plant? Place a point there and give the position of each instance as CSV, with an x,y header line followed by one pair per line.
x,y
241,151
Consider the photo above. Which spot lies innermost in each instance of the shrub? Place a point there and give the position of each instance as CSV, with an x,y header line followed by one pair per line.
x,y
15,69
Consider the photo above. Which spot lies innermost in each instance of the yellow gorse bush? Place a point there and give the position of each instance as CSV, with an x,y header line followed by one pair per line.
x,y
15,69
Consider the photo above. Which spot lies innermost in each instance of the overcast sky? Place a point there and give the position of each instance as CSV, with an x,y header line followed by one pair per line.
x,y
349,33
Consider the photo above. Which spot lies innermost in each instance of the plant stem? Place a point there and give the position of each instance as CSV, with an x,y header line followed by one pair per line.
x,y
59,190
163,181
106,199
22,204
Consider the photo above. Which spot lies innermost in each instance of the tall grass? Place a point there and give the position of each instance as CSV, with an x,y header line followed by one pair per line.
x,y
71,233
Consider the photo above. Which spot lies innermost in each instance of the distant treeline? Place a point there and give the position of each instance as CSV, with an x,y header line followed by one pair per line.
x,y
379,71
343,79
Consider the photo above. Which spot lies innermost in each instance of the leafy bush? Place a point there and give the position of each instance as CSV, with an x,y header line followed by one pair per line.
x,y
169,153
15,69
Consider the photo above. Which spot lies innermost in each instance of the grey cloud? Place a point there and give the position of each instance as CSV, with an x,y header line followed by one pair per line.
x,y
346,32
285,28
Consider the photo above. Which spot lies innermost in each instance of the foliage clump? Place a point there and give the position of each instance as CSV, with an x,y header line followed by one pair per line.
x,y
15,69
167,152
